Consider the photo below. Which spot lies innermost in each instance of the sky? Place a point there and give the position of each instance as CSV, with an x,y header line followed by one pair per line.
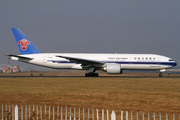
x,y
91,26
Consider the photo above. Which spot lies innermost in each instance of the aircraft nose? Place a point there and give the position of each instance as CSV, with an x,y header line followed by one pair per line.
x,y
174,64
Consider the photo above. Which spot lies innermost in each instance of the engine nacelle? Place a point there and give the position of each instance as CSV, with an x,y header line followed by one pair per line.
x,y
113,68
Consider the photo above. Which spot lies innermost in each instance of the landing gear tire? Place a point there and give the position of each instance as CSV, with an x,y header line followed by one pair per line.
x,y
91,75
160,74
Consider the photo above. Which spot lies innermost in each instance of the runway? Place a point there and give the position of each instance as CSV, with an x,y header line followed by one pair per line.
x,y
88,77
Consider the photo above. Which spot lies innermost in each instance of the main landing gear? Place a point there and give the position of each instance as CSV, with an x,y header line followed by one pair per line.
x,y
160,74
91,72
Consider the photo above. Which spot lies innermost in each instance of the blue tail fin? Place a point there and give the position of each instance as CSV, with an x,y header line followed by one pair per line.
x,y
25,46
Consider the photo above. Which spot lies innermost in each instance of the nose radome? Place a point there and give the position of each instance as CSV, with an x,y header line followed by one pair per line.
x,y
175,64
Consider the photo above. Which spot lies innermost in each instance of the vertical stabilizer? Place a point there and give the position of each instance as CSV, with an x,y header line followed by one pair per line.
x,y
25,46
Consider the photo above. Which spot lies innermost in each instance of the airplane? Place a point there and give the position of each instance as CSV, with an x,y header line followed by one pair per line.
x,y
109,63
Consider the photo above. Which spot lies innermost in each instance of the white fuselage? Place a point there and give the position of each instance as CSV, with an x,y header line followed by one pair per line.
x,y
127,61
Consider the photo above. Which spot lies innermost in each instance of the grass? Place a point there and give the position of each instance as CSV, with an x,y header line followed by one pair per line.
x,y
132,94
160,95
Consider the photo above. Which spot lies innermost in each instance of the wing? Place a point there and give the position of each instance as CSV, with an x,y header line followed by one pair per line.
x,y
18,56
82,61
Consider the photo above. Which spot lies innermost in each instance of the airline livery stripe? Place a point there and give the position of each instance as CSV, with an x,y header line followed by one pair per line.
x,y
130,62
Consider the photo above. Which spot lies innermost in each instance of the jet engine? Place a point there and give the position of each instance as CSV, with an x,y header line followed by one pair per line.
x,y
112,68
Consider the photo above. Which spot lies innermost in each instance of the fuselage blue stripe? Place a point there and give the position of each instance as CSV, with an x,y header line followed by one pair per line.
x,y
129,62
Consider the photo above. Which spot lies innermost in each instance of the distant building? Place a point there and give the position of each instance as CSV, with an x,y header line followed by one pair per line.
x,y
14,69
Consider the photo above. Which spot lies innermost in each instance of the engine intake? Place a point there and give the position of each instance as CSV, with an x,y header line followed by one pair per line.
x,y
113,68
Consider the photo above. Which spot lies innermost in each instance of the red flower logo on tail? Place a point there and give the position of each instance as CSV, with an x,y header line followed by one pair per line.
x,y
24,43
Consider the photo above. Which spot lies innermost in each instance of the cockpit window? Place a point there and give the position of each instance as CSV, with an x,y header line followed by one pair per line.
x,y
171,60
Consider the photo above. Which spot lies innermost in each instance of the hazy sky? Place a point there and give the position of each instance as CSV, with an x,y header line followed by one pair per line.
x,y
93,26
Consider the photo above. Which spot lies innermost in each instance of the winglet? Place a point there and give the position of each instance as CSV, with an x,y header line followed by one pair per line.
x,y
25,46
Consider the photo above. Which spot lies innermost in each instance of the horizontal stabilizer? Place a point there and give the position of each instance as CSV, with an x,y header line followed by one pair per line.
x,y
19,56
